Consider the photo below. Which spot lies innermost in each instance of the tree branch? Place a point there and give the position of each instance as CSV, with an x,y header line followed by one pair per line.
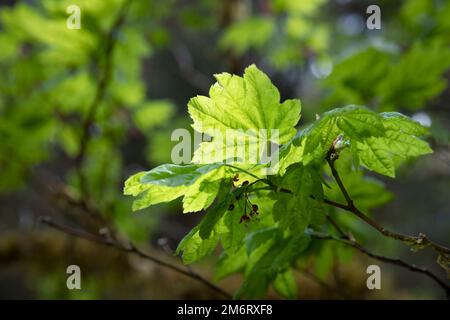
x,y
420,241
394,261
100,91
131,248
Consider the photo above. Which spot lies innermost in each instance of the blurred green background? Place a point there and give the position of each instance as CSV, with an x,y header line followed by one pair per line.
x,y
81,110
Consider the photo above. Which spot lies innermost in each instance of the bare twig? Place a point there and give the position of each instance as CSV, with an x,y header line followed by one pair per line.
x,y
420,241
131,248
394,261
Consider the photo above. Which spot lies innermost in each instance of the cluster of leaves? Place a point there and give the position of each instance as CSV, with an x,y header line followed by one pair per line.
x,y
390,82
263,223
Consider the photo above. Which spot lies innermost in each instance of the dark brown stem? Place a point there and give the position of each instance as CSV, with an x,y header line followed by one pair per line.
x,y
339,182
131,248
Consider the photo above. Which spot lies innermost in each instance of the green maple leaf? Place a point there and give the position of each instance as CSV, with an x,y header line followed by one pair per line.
x,y
199,184
194,248
241,106
378,141
400,141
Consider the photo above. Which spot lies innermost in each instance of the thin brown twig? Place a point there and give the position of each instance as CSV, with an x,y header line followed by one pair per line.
x,y
394,261
397,261
131,248
420,241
